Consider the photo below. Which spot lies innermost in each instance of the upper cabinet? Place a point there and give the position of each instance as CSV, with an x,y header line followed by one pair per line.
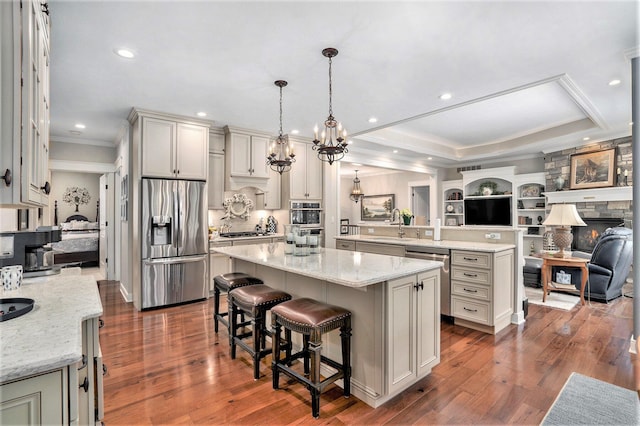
x,y
216,169
246,153
25,107
171,147
304,180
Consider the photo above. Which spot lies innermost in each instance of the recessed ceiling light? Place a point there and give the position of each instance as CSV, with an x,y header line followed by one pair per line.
x,y
373,120
356,164
80,126
586,138
201,114
429,158
123,52
350,141
631,123
614,82
446,96
395,151
295,131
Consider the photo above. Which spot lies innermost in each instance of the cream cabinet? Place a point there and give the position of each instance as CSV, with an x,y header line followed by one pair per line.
x,y
453,203
173,149
304,180
218,263
413,326
246,153
215,181
345,245
482,286
25,108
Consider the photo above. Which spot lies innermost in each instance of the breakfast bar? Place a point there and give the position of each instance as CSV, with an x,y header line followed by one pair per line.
x,y
394,301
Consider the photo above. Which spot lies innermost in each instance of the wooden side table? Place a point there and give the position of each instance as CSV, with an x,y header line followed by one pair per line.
x,y
549,261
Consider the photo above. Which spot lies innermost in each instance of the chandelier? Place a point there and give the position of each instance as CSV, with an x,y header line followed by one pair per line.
x,y
280,154
332,144
356,193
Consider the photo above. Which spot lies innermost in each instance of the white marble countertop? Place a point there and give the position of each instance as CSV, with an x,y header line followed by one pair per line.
x,y
351,269
255,237
420,242
50,336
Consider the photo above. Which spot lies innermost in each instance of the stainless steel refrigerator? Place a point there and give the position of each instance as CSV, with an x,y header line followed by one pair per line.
x,y
174,242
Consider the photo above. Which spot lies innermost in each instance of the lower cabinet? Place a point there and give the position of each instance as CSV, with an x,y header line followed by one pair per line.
x,y
413,327
69,395
388,249
345,245
218,263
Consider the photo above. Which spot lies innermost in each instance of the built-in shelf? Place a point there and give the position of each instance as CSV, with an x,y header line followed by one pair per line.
x,y
615,193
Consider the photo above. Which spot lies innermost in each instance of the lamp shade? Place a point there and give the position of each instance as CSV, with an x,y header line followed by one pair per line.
x,y
564,215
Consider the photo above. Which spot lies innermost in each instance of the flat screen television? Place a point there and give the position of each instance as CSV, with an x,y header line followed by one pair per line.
x,y
487,211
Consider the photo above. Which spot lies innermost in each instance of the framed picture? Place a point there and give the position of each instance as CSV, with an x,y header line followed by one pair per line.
x,y
377,207
23,219
452,221
344,226
530,191
593,169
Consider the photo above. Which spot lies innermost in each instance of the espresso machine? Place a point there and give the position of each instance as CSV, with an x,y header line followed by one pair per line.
x,y
29,249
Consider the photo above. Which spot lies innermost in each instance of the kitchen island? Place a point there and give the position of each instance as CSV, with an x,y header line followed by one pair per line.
x,y
50,351
394,301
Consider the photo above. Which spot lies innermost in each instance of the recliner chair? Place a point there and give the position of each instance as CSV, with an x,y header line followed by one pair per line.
x,y
610,263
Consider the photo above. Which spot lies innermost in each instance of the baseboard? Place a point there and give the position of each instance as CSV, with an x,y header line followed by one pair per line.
x,y
633,346
125,294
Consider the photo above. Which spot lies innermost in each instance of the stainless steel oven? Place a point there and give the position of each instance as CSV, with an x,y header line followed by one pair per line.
x,y
306,214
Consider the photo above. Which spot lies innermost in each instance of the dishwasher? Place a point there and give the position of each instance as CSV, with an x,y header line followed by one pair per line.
x,y
441,255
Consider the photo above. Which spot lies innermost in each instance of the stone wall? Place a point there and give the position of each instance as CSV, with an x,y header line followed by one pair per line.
x,y
559,164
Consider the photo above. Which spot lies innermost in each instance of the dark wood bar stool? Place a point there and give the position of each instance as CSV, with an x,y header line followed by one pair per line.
x,y
225,283
253,301
312,319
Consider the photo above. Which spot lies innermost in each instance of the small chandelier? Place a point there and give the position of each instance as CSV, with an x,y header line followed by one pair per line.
x,y
332,144
356,193
280,153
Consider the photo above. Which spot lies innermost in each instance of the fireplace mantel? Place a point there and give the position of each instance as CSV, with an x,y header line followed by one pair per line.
x,y
616,193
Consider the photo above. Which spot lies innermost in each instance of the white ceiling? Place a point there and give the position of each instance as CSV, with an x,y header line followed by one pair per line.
x,y
526,77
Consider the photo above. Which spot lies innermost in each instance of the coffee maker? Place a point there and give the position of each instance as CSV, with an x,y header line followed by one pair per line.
x,y
27,248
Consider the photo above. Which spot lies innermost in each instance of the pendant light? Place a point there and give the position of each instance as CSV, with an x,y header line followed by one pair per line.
x,y
280,153
356,193
332,144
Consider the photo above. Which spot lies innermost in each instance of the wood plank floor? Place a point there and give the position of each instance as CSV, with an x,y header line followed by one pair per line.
x,y
169,367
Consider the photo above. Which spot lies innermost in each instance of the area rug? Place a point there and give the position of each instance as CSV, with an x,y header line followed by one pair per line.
x,y
587,401
554,300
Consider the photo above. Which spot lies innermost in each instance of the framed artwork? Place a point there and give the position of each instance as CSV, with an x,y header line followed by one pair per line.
x,y
344,226
23,219
530,191
593,169
377,207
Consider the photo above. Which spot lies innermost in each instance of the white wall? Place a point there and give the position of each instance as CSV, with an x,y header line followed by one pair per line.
x,y
60,181
76,152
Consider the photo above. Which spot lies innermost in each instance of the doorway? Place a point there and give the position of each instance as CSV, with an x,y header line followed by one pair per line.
x,y
420,204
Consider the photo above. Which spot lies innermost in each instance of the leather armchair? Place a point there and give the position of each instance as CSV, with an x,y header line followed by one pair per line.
x,y
610,263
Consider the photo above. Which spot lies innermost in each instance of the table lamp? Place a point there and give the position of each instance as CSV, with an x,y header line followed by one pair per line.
x,y
563,217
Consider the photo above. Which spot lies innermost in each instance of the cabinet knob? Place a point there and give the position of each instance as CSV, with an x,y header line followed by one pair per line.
x,y
6,177
46,188
45,8
84,362
85,384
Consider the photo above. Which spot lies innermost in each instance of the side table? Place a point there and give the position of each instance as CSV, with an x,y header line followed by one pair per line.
x,y
549,261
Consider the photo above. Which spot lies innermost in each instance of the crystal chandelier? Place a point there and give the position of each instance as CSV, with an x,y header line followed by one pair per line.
x,y
332,144
356,193
280,153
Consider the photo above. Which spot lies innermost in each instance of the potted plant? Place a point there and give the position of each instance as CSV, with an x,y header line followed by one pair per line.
x,y
406,216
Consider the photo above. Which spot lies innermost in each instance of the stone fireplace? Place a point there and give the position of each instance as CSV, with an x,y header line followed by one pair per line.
x,y
586,237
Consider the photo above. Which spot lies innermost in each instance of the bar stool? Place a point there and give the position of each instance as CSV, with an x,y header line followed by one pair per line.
x,y
225,283
312,319
253,301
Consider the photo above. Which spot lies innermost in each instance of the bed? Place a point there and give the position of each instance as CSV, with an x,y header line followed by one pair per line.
x,y
79,242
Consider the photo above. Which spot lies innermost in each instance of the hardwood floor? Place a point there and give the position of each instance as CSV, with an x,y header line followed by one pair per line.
x,y
168,366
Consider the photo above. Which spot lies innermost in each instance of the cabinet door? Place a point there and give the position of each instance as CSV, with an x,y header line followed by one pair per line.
x,y
259,148
272,196
218,264
34,401
298,172
158,148
240,155
192,151
314,174
216,181
428,322
401,345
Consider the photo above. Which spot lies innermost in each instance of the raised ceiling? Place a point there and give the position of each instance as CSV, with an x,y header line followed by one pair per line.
x,y
525,77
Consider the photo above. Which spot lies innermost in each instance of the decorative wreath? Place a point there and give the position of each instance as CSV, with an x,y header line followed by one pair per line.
x,y
237,206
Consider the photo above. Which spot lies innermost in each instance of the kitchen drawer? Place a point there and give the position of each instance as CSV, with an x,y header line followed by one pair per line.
x,y
345,245
472,291
471,258
469,275
470,310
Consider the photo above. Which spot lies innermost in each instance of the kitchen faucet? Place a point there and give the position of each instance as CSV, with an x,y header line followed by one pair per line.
x,y
393,215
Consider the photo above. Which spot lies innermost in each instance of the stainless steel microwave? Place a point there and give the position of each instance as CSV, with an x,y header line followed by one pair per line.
x,y
304,213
